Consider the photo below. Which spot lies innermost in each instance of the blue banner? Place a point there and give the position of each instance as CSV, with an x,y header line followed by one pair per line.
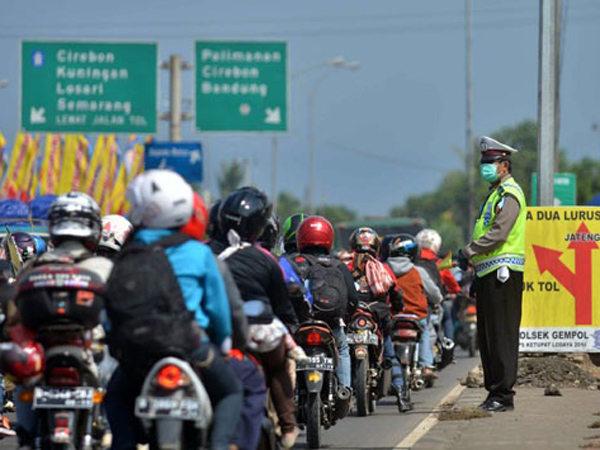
x,y
185,158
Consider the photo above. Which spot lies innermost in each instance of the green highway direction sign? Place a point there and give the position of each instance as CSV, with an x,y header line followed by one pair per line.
x,y
565,189
241,86
88,87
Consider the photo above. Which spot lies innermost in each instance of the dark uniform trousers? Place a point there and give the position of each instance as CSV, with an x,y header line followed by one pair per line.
x,y
498,322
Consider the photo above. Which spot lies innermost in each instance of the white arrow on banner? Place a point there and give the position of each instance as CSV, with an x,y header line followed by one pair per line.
x,y
36,115
195,156
273,115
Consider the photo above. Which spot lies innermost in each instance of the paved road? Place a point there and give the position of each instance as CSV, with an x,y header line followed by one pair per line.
x,y
386,428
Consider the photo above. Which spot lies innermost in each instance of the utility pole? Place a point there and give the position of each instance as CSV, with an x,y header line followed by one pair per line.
x,y
546,102
469,156
557,69
175,116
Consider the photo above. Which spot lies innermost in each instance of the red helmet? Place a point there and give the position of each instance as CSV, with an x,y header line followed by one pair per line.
x,y
315,231
23,362
196,226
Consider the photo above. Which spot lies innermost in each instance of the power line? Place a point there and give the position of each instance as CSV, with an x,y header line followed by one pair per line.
x,y
386,159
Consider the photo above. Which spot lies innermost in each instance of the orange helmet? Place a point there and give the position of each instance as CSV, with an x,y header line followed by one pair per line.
x,y
196,226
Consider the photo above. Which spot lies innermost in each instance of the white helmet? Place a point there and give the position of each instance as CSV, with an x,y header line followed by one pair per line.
x,y
429,238
160,199
115,229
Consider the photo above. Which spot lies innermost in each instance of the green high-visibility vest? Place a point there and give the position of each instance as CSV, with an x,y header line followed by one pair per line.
x,y
512,252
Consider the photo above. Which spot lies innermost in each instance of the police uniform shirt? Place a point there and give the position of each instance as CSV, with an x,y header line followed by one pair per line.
x,y
503,223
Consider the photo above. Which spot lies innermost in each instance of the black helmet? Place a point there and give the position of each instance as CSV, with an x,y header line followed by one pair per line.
x,y
384,253
290,227
268,238
213,219
365,240
25,244
404,245
246,211
75,217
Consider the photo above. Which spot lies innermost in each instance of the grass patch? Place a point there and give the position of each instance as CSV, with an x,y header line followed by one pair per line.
x,y
463,414
596,424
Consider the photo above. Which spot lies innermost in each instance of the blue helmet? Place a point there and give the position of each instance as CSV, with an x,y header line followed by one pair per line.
x,y
40,244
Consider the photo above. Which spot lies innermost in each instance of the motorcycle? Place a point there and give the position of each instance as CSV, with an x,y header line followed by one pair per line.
x,y
319,395
366,350
466,332
61,304
406,335
173,406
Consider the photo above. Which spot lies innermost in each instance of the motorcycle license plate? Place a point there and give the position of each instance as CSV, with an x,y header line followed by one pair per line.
x,y
315,363
71,398
362,338
155,407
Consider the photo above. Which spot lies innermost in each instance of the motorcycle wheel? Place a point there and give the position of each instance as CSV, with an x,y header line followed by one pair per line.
x,y
361,387
313,421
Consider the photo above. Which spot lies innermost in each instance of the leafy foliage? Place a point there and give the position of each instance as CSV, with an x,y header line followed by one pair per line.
x,y
231,177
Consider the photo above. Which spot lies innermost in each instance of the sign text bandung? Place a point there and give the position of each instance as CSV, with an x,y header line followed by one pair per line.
x,y
96,87
185,158
241,86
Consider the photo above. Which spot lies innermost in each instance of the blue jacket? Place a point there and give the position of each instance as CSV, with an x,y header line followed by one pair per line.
x,y
200,280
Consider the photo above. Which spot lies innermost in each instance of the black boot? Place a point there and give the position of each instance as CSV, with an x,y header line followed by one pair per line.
x,y
403,404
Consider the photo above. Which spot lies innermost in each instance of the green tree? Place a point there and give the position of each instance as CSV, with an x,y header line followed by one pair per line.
x,y
231,177
588,179
287,204
336,214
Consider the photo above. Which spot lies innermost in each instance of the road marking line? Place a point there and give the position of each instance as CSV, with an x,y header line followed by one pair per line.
x,y
429,422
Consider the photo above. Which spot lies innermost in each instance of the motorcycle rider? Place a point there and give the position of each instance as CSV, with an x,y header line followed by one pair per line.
x,y
162,202
245,368
314,239
417,290
371,281
430,241
243,216
74,227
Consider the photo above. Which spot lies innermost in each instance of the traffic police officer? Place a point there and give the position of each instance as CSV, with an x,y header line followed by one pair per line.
x,y
497,253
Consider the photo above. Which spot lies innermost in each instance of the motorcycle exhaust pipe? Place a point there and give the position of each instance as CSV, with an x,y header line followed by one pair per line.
x,y
419,383
343,393
386,364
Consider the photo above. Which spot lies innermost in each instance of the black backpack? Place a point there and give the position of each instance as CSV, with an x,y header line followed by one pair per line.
x,y
145,305
325,280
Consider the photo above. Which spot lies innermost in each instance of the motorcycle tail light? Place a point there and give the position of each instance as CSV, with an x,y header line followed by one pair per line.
x,y
171,377
471,309
362,323
314,338
404,333
61,421
63,376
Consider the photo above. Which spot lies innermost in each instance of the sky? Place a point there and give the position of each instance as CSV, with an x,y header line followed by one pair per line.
x,y
386,131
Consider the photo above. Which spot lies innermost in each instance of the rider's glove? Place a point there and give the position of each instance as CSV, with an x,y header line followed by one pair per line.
x,y
463,261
